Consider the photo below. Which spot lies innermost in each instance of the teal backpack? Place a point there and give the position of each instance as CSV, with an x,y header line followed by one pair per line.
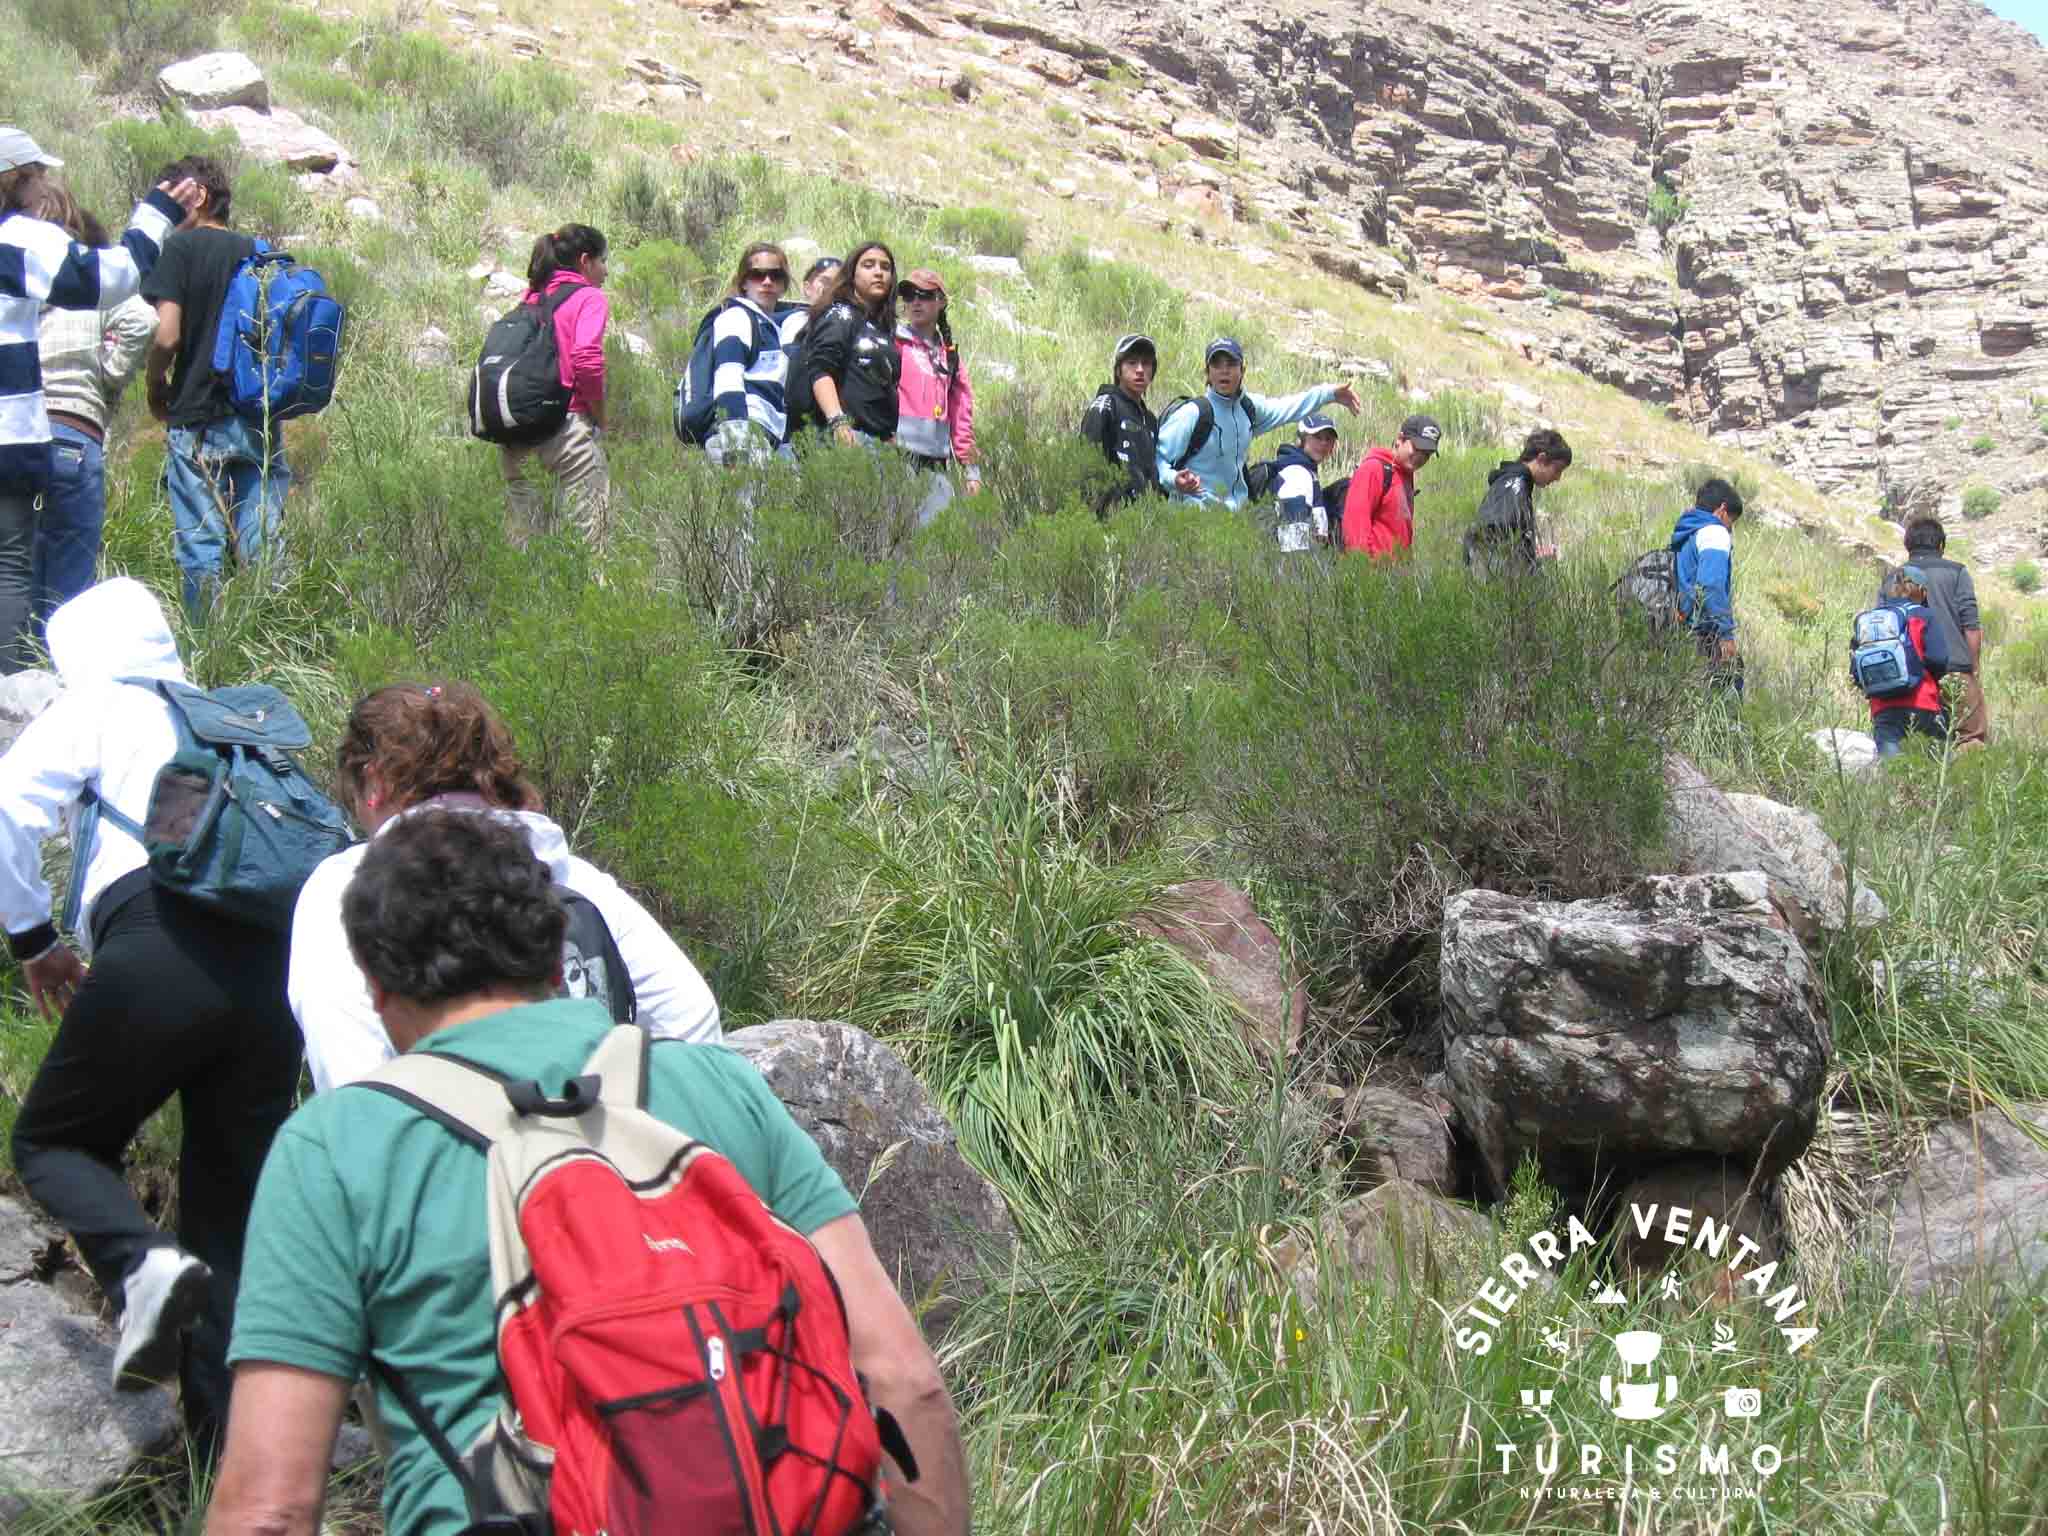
x,y
233,823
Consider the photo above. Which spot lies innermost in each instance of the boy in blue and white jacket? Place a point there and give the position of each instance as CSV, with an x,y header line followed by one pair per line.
x,y
1704,546
1238,418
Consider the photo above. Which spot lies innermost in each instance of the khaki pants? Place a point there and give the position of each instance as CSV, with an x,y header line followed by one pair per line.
x,y
575,457
1969,716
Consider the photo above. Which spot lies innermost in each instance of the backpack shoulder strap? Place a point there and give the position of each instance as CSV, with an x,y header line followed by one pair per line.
x,y
620,1064
464,1098
1205,425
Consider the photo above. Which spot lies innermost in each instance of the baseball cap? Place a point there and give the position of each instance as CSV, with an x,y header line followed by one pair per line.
x,y
1136,341
1423,432
18,149
1311,425
1912,574
921,277
1227,345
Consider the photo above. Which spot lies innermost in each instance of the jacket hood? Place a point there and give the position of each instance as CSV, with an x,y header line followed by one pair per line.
x,y
548,843
1385,455
563,277
1690,524
1508,467
1292,453
116,629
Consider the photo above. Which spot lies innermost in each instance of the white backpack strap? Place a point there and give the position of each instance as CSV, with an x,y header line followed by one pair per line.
x,y
464,1098
620,1063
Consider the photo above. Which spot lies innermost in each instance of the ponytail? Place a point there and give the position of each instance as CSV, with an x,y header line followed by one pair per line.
x,y
561,251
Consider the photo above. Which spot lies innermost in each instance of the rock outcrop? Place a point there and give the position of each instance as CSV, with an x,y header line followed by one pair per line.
x,y
1680,1021
64,1432
1397,1235
1973,1207
1216,926
1398,1133
935,1221
23,696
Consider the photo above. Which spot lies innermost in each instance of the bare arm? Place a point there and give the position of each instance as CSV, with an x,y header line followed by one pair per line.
x,y
281,1427
163,354
826,392
889,1349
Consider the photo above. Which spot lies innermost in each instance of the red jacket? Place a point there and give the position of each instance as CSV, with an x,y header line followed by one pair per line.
x,y
1928,694
1379,512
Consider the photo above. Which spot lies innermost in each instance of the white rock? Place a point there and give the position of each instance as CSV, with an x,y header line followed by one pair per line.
x,y
23,696
638,346
1855,751
646,66
993,368
1062,186
433,349
214,80
997,266
504,285
364,209
279,137
481,271
801,250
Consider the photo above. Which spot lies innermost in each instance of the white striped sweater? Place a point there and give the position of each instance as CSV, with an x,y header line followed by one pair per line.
x,y
41,264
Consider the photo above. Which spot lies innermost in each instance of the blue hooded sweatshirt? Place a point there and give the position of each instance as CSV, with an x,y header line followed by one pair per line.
x,y
1705,556
1222,459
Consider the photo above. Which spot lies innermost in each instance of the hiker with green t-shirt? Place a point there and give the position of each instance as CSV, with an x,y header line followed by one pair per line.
x,y
368,1249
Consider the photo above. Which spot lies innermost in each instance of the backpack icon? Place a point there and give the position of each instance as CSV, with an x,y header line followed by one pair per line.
x,y
516,393
1883,660
695,403
1649,586
279,341
673,1356
233,822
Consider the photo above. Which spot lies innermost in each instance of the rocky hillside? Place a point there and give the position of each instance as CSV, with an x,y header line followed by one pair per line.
x,y
1814,238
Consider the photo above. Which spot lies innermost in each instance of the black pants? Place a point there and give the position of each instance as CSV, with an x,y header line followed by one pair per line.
x,y
177,1001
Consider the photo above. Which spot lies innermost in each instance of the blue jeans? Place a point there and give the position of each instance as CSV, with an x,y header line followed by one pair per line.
x,y
1889,728
67,553
217,473
18,512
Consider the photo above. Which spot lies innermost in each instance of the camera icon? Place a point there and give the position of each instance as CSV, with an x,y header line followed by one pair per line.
x,y
1742,1402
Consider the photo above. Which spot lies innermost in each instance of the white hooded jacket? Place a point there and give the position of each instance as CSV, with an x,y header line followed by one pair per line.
x,y
345,1039
109,735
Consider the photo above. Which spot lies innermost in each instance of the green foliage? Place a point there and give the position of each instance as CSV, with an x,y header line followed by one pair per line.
x,y
1950,423
1404,736
1666,207
989,231
1118,296
1795,603
1983,444
127,41
1980,501
142,147
2026,576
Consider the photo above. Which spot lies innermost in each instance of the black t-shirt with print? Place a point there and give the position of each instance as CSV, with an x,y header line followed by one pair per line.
x,y
192,271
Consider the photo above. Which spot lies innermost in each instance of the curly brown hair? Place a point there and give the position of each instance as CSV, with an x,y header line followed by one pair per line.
x,y
428,739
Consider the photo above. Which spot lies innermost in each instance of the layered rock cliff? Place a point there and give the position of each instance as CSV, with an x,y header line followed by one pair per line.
x,y
1814,232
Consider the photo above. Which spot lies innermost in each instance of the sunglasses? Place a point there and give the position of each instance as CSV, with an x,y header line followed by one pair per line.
x,y
768,274
907,291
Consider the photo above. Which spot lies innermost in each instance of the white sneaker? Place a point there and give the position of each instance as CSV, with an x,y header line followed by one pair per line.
x,y
165,1294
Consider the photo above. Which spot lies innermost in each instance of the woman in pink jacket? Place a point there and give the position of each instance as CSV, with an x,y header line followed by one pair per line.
x,y
566,274
934,401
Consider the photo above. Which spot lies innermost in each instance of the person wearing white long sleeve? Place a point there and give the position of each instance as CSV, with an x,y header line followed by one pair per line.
x,y
1212,433
414,745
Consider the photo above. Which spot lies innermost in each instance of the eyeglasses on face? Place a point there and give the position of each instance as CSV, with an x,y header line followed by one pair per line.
x,y
913,294
767,274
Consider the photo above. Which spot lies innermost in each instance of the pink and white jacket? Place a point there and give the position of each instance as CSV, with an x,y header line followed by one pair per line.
x,y
934,408
580,320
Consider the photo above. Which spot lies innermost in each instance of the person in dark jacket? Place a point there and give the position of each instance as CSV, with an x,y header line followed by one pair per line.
x,y
847,378
1952,596
1298,485
1917,711
1503,536
1121,424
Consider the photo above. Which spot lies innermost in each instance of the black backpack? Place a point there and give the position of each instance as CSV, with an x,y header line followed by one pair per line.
x,y
1259,478
591,963
1337,492
1205,423
516,393
1649,586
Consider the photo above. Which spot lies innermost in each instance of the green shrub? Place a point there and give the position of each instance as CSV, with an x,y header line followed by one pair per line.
x,y
1980,501
641,208
1118,296
140,148
1982,444
127,41
1950,423
1666,206
989,231
2026,576
1795,603
1405,734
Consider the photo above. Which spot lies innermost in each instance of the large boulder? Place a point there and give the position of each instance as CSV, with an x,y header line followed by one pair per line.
x,y
1216,926
1710,831
1398,1230
278,137
1973,1207
64,1432
214,80
935,1221
23,696
1398,1133
1682,1019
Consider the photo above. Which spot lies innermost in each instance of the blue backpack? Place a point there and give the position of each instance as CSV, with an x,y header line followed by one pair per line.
x,y
279,341
233,823
1883,660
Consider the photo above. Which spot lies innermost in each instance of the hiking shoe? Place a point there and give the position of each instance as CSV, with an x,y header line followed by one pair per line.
x,y
165,1293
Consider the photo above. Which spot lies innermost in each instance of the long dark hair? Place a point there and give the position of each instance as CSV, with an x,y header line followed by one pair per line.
x,y
428,739
841,291
561,250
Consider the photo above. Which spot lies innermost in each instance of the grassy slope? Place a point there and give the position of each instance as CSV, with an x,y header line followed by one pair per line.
x,y
1150,1375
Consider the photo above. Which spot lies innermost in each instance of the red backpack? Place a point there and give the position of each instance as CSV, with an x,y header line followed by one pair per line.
x,y
673,1356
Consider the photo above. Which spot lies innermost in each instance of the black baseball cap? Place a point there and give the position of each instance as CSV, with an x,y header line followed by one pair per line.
x,y
1423,432
1136,341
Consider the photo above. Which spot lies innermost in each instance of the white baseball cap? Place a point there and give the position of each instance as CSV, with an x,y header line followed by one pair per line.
x,y
18,149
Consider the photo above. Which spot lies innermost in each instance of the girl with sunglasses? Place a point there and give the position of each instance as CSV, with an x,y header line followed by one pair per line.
x,y
934,401
750,363
845,381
